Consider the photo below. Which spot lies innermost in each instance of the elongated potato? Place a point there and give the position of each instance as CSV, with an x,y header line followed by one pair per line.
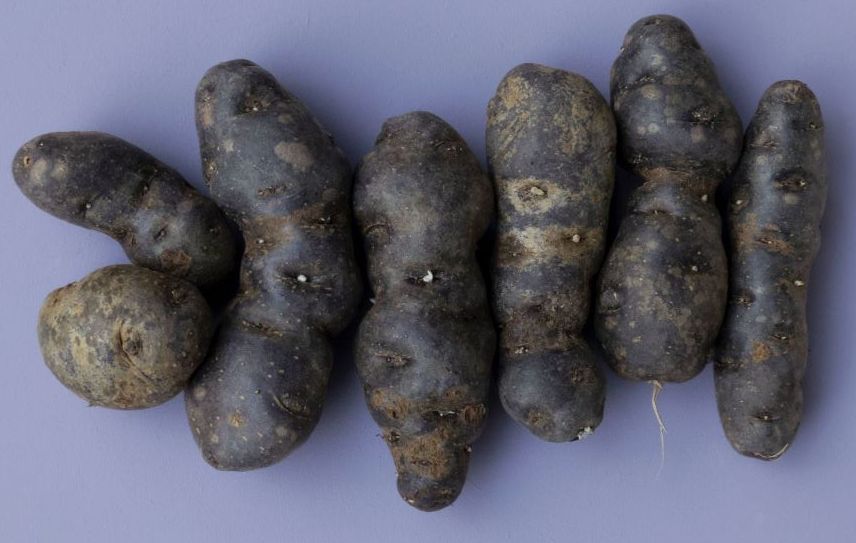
x,y
551,151
281,178
424,351
125,337
663,287
101,182
774,225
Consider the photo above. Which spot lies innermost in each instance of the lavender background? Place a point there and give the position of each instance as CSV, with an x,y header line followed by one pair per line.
x,y
71,473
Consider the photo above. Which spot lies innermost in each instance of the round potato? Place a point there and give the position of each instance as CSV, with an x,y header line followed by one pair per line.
x,y
125,337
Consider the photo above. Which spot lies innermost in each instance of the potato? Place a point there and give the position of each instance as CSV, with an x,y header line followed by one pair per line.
x,y
663,287
101,182
774,224
551,150
425,349
281,178
125,337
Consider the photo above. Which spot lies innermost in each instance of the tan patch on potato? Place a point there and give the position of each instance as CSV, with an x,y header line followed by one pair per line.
x,y
175,261
205,113
473,414
40,167
579,129
651,92
428,455
530,195
295,154
533,245
390,403
59,171
514,91
761,352
236,419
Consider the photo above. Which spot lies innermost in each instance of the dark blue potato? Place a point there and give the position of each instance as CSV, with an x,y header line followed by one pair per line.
x,y
281,178
774,225
425,349
551,151
101,182
125,337
663,287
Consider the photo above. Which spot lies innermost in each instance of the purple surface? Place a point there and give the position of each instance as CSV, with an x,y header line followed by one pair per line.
x,y
71,473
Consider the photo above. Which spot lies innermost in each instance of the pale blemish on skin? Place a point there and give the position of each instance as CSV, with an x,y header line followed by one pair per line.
x,y
206,114
530,195
59,171
296,154
516,90
39,168
651,92
697,134
553,243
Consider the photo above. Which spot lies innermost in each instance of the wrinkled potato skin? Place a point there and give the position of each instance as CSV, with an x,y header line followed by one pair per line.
x,y
101,182
281,178
425,349
774,225
663,287
125,337
551,151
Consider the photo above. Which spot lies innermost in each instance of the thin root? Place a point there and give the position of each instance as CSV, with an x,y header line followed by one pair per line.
x,y
655,392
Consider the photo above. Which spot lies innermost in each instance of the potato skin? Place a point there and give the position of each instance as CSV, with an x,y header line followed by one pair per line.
x,y
551,151
101,182
125,337
663,287
281,178
774,225
425,349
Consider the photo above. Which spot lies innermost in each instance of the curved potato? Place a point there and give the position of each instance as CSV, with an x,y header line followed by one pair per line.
x,y
281,178
101,182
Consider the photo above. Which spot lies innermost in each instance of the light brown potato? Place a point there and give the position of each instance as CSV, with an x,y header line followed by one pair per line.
x,y
125,337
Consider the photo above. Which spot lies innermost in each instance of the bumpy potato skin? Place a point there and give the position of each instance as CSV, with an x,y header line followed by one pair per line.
x,y
125,337
424,351
663,287
101,182
281,178
774,226
551,151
